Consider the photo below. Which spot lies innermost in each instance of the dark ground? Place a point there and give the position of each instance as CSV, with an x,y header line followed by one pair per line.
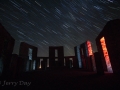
x,y
63,80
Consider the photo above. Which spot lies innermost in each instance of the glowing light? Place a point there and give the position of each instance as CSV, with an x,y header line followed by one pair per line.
x,y
105,52
89,48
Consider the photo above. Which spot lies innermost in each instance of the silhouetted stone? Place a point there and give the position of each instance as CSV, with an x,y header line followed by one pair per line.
x,y
30,52
24,50
6,49
21,65
78,56
14,65
99,65
69,63
38,63
90,63
44,63
111,34
71,60
52,56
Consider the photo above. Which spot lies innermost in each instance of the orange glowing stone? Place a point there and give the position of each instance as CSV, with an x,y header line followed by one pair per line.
x,y
90,53
89,48
105,52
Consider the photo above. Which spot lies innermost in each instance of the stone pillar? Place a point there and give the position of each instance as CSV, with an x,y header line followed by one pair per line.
x,y
99,65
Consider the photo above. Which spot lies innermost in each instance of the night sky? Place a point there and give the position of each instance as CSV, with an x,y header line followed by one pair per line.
x,y
67,23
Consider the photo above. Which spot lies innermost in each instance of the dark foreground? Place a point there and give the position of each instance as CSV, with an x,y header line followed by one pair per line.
x,y
61,80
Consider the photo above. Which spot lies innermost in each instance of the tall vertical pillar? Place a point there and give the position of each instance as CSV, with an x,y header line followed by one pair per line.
x,y
52,56
99,65
108,45
78,56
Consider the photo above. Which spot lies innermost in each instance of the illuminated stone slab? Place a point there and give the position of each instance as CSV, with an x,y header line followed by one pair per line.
x,y
106,55
108,45
86,53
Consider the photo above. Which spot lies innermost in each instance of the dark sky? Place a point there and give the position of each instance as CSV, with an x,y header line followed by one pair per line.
x,y
67,23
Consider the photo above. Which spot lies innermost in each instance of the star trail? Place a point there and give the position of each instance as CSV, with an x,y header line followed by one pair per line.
x,y
67,23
